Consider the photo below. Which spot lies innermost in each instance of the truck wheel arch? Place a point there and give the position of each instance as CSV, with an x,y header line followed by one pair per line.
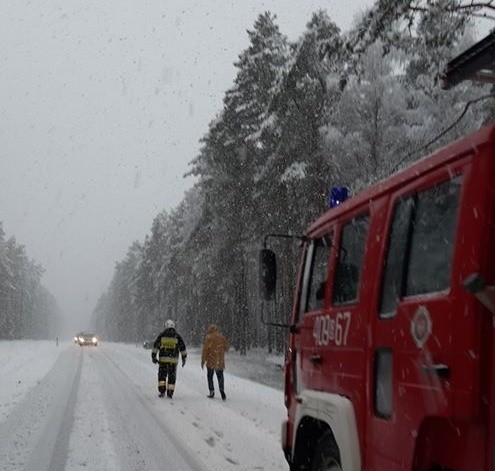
x,y
318,415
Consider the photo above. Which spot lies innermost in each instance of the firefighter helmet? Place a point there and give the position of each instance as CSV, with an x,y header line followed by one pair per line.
x,y
170,324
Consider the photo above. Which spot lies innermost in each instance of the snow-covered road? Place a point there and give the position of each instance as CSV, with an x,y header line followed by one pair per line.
x,y
96,408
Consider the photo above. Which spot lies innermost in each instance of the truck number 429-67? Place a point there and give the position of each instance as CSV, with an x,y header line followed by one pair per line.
x,y
328,329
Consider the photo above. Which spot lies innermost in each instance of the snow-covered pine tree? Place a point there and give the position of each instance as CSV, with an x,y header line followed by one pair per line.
x,y
229,164
294,177
124,324
23,300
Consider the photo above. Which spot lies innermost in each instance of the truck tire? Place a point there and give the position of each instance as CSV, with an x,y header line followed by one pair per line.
x,y
326,457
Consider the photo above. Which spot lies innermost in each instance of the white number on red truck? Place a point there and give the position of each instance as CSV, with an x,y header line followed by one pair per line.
x,y
328,329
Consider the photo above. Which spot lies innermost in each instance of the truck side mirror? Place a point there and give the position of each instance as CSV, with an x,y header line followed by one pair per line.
x,y
267,274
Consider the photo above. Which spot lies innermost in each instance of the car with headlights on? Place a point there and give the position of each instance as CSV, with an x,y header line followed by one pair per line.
x,y
86,338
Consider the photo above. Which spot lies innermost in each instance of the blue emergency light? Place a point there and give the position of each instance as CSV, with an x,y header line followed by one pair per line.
x,y
337,195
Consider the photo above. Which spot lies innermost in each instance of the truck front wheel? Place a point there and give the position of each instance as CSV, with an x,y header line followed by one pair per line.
x,y
326,457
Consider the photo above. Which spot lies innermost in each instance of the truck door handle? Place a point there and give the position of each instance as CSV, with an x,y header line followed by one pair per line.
x,y
439,369
316,359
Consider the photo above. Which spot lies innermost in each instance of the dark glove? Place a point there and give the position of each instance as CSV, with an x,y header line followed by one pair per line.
x,y
183,362
154,360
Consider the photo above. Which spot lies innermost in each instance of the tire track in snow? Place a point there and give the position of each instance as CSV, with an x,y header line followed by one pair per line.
x,y
35,435
145,438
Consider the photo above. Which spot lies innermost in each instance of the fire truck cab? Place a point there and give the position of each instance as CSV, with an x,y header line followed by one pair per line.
x,y
390,361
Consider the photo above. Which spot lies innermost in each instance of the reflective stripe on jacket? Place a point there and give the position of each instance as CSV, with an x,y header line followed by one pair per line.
x,y
168,345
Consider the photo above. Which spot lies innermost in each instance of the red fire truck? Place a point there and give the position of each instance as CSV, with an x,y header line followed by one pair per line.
x,y
391,352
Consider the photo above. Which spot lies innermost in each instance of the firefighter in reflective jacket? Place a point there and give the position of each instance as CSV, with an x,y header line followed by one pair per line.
x,y
168,345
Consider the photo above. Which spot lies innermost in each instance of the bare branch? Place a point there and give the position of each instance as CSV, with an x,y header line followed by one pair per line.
x,y
475,6
485,16
472,6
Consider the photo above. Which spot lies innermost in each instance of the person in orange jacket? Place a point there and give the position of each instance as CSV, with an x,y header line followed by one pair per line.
x,y
213,356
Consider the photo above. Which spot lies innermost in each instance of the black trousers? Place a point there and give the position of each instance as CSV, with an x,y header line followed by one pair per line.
x,y
167,373
209,375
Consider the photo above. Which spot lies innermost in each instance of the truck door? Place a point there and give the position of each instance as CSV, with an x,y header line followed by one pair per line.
x,y
343,330
415,367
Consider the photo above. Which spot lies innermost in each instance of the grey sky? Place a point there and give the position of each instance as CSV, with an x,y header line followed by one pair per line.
x,y
102,105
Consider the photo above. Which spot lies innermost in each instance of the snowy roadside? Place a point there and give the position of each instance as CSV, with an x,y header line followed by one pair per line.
x,y
257,366
22,366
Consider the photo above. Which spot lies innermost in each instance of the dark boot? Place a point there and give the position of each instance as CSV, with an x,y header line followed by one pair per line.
x,y
170,394
161,394
211,395
224,396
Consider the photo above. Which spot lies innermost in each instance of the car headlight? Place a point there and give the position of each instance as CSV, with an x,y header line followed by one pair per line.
x,y
95,340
